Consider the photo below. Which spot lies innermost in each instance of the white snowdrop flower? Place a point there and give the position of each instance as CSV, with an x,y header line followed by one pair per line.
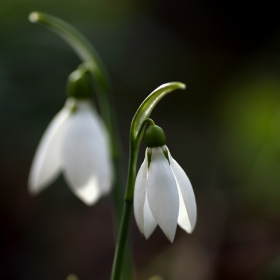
x,y
76,144
163,193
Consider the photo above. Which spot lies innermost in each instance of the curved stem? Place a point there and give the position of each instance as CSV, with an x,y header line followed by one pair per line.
x,y
150,121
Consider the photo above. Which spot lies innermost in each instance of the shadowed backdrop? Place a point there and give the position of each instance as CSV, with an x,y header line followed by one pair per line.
x,y
223,130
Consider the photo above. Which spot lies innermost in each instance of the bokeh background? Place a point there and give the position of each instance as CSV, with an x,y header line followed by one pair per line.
x,y
223,130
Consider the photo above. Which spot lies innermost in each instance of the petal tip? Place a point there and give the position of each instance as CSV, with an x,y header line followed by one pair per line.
x,y
88,193
33,188
88,202
170,238
147,235
32,191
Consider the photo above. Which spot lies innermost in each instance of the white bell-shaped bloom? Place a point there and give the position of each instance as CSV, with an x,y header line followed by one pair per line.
x,y
76,144
163,195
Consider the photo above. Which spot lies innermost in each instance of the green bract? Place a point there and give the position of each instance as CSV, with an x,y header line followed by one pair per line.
x,y
147,106
79,84
155,137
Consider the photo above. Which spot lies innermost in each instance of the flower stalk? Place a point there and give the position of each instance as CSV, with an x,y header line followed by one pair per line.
x,y
102,85
137,129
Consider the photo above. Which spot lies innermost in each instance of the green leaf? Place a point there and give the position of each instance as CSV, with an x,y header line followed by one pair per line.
x,y
147,106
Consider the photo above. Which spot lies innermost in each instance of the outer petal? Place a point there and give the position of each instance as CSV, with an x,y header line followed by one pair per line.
x,y
188,210
85,154
143,216
47,162
149,220
163,193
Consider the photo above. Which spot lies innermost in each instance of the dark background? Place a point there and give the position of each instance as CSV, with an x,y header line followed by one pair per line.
x,y
223,130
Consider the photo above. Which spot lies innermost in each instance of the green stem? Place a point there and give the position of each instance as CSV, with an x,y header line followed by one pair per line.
x,y
128,203
120,249
150,121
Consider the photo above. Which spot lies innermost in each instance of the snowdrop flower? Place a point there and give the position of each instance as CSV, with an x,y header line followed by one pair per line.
x,y
163,193
75,144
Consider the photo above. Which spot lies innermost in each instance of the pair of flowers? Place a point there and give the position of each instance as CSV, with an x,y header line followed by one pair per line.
x,y
76,144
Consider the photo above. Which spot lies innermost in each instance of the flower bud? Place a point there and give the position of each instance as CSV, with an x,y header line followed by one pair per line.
x,y
79,84
155,137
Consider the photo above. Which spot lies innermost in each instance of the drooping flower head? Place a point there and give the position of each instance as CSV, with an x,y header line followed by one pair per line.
x,y
163,193
76,144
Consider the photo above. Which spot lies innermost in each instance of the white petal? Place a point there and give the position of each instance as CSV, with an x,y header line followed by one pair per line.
x,y
149,220
85,154
183,218
140,195
47,162
188,212
142,212
163,193
89,193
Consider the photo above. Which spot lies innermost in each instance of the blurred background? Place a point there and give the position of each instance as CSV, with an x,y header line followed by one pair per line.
x,y
223,130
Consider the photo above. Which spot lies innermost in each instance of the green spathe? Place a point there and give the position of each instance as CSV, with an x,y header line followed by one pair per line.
x,y
79,84
155,137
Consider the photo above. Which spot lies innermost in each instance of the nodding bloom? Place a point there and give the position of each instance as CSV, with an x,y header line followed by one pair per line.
x,y
163,193
76,144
